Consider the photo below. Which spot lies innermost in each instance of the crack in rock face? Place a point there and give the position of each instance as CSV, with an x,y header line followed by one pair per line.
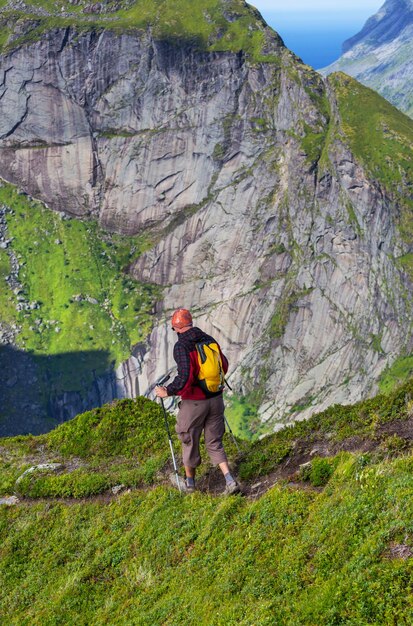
x,y
289,266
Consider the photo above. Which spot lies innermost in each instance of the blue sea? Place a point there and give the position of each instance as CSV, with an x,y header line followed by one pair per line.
x,y
317,49
317,40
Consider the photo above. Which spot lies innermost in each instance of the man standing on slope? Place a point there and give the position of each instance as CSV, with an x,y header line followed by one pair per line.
x,y
199,409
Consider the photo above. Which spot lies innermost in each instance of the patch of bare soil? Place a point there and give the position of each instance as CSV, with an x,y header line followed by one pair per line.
x,y
401,428
399,551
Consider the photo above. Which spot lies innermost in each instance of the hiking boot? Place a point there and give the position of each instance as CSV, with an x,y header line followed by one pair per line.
x,y
189,488
232,488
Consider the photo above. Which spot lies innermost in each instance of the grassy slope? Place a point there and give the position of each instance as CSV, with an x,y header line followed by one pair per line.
x,y
204,22
87,263
340,555
130,434
124,442
400,371
381,137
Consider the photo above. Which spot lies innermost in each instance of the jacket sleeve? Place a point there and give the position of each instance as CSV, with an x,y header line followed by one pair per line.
x,y
181,356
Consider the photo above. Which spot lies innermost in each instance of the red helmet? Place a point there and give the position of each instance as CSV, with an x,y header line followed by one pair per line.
x,y
181,318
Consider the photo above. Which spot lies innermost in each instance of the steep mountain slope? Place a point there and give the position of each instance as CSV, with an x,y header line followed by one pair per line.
x,y
381,55
68,315
331,542
263,205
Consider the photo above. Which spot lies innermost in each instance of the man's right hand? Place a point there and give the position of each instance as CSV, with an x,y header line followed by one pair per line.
x,y
161,392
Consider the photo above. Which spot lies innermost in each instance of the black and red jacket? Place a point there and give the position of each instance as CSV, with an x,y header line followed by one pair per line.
x,y
185,383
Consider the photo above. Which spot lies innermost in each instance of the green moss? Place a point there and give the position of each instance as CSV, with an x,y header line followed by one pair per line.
x,y
276,248
112,133
406,262
353,217
313,143
284,308
7,298
219,152
304,404
376,342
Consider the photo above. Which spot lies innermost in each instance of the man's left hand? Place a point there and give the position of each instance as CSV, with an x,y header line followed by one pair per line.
x,y
161,392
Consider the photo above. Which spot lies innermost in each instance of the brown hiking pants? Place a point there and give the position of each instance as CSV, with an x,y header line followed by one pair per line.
x,y
194,417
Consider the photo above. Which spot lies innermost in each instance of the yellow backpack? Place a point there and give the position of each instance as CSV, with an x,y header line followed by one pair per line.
x,y
211,375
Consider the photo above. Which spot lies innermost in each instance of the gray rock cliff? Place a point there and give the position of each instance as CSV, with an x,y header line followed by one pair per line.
x,y
278,240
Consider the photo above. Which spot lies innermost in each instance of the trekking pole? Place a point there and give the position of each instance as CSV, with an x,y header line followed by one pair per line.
x,y
178,482
232,435
228,426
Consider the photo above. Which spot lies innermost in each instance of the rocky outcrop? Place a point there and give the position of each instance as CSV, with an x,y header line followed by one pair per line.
x,y
266,227
381,55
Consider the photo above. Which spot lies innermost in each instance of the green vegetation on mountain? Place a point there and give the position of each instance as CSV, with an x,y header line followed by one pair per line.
x,y
73,275
379,56
393,376
381,137
216,25
336,547
123,442
75,272
242,415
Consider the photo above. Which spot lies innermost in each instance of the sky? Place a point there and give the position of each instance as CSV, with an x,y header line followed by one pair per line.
x,y
316,29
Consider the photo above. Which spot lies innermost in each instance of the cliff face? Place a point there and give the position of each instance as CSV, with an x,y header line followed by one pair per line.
x,y
290,265
265,222
380,55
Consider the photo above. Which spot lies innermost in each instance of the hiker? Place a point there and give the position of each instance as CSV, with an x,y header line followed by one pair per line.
x,y
199,409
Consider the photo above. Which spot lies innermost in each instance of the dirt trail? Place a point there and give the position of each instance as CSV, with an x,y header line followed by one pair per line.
x,y
287,472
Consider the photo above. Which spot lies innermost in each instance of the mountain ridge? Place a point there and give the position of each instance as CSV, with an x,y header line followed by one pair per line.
x,y
392,18
379,55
